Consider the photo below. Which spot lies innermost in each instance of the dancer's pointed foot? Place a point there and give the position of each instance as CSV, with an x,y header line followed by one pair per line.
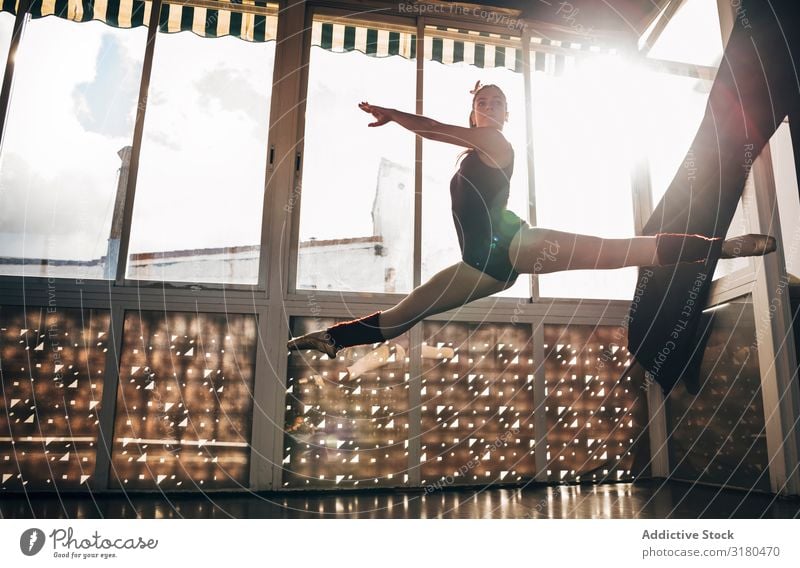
x,y
748,245
319,340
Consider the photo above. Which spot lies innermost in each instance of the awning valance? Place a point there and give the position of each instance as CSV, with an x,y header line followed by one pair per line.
x,y
444,44
376,39
251,20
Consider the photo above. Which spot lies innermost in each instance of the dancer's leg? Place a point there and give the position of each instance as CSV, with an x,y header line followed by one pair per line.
x,y
537,250
450,288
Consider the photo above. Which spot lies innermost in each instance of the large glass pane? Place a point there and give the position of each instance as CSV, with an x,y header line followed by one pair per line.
x,y
356,212
785,170
70,124
347,419
200,190
185,401
52,373
583,149
668,123
447,99
669,111
596,415
477,404
718,436
738,226
693,35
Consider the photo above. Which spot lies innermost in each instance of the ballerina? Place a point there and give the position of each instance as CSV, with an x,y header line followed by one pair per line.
x,y
496,245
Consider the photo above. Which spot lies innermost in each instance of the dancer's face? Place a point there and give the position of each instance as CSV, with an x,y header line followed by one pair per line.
x,y
489,108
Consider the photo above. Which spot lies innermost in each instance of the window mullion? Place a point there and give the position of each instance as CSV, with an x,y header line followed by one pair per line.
x,y
8,77
138,134
529,150
420,62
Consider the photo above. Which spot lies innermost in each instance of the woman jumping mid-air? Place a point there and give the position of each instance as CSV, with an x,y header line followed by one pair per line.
x,y
496,245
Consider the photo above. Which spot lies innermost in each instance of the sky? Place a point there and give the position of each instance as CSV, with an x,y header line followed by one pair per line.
x,y
66,121
73,109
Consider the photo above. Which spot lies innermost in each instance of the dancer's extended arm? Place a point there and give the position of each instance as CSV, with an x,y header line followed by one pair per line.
x,y
486,139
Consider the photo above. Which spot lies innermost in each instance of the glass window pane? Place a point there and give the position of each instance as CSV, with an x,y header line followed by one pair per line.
x,y
788,203
583,150
667,135
356,214
70,119
200,188
477,404
346,419
185,401
737,227
669,121
693,35
718,436
447,99
596,415
52,374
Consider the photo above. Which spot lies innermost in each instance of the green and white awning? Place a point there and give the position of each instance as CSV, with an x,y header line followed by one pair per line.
x,y
257,20
443,44
481,49
340,36
251,20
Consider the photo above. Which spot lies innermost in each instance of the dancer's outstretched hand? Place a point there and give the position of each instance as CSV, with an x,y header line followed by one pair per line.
x,y
380,113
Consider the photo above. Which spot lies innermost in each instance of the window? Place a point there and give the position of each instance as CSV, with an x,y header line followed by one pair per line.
x,y
447,99
477,404
786,189
185,401
674,107
718,435
595,413
70,120
347,420
692,36
583,158
356,228
200,188
53,372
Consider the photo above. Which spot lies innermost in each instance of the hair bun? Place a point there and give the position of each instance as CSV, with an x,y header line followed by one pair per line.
x,y
477,87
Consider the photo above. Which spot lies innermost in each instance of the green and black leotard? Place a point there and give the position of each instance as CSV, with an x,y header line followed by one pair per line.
x,y
479,195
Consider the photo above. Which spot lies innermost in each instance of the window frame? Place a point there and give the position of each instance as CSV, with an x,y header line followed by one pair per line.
x,y
274,300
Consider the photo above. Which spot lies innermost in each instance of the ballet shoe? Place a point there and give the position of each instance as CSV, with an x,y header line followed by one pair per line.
x,y
318,340
674,248
748,245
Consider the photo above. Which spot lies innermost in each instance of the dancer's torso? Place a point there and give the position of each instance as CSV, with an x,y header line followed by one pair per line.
x,y
479,196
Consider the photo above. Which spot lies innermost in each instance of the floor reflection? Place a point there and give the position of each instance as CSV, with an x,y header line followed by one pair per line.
x,y
650,499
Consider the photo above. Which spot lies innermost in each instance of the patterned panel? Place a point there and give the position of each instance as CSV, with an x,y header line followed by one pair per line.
x,y
477,404
184,406
718,436
52,364
594,413
346,419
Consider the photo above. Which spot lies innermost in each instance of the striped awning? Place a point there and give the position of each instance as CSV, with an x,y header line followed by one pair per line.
x,y
446,45
481,49
341,36
251,20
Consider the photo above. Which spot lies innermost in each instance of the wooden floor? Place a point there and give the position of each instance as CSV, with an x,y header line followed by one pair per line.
x,y
656,499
